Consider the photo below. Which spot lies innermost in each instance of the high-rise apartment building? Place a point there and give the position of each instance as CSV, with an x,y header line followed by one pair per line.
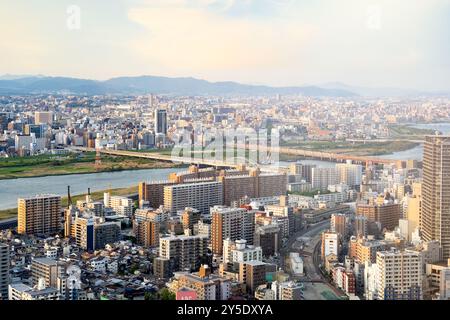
x,y
186,252
146,232
121,205
48,270
4,271
399,275
189,218
321,178
201,196
92,233
252,274
435,216
349,173
231,223
302,169
40,214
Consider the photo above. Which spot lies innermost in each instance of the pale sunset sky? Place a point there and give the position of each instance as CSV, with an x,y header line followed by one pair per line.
x,y
378,43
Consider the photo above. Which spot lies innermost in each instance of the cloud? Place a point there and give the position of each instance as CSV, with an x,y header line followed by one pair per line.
x,y
189,38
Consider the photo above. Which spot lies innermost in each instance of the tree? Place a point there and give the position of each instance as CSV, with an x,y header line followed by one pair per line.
x,y
165,294
150,296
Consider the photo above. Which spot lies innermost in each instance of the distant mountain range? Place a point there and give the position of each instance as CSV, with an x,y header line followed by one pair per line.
x,y
11,84
39,84
381,91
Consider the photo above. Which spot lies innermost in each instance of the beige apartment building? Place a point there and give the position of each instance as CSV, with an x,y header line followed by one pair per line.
x,y
40,214
399,275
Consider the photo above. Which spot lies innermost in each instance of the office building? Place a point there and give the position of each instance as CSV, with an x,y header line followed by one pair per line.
x,y
36,129
268,237
360,226
436,192
414,209
43,117
161,121
40,214
365,250
387,214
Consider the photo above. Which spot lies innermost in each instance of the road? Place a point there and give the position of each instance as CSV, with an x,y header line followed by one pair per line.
x,y
310,255
312,231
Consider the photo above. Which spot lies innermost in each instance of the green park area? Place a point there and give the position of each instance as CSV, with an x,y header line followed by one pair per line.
x,y
73,163
372,148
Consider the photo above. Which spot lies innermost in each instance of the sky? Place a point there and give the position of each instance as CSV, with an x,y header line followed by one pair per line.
x,y
374,43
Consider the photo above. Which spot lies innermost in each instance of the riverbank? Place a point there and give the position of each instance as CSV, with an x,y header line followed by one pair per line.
x,y
375,148
97,195
55,165
408,132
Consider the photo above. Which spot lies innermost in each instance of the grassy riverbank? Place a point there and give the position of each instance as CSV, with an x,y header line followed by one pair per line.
x,y
48,165
352,148
404,131
97,195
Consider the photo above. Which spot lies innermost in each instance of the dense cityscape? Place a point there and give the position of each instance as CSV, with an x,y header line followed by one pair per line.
x,y
341,212
205,159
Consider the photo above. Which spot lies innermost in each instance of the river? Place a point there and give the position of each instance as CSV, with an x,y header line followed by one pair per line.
x,y
11,189
416,153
